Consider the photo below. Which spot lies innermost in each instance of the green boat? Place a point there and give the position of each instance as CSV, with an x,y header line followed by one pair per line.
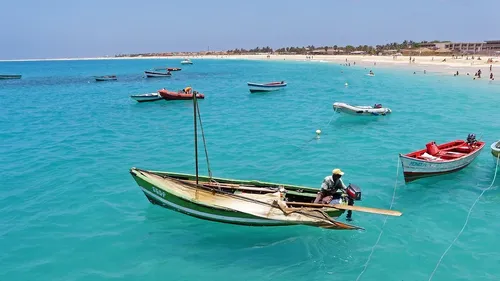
x,y
243,202
495,151
8,76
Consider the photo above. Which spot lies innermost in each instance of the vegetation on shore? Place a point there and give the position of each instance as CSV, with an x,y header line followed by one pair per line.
x,y
304,50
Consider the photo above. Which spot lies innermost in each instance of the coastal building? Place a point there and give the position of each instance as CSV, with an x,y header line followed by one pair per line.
x,y
492,47
465,47
433,46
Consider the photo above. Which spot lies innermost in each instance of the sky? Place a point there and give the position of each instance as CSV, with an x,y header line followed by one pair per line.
x,y
31,29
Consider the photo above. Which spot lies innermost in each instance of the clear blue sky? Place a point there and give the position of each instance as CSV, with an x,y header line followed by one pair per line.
x,y
67,28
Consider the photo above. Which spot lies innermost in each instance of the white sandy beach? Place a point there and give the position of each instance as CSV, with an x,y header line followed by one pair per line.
x,y
431,64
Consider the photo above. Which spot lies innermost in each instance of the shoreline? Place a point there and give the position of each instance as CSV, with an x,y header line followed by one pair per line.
x,y
431,64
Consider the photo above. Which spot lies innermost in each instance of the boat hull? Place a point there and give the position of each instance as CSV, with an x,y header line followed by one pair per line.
x,y
259,88
7,76
188,201
152,74
495,152
168,95
105,79
147,97
340,107
414,169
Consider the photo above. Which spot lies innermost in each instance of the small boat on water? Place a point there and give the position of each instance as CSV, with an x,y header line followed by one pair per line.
x,y
245,202
186,61
440,159
495,151
184,94
147,97
267,87
362,110
155,74
10,76
106,78
168,68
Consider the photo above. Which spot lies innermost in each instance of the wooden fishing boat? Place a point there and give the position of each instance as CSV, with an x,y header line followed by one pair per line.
x,y
495,151
186,61
10,76
180,95
361,110
168,68
440,159
105,78
267,87
147,97
156,74
243,202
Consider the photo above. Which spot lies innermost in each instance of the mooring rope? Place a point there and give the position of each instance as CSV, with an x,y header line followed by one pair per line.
x,y
383,225
466,220
204,142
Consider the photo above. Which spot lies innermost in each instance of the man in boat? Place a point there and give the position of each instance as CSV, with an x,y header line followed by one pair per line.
x,y
330,186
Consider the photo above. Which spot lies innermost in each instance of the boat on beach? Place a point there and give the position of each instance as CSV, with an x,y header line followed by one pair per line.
x,y
105,78
440,159
147,97
10,76
156,74
266,87
245,202
184,94
186,61
362,110
495,151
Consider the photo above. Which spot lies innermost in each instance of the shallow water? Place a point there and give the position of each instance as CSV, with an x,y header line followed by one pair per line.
x,y
69,209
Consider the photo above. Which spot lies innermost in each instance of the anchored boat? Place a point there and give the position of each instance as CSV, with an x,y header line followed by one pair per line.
x,y
495,151
244,202
10,76
184,94
147,97
106,78
267,87
155,74
362,110
186,61
440,159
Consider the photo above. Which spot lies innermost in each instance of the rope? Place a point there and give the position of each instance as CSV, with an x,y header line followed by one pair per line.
x,y
466,220
383,225
204,143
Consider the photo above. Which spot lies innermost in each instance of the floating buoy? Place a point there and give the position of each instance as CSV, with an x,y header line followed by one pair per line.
x,y
346,84
318,132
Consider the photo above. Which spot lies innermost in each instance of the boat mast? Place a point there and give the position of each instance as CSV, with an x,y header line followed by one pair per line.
x,y
195,136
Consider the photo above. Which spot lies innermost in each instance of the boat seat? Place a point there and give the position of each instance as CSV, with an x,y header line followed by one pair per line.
x,y
452,155
464,149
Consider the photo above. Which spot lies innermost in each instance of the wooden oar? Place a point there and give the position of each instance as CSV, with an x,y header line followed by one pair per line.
x,y
352,208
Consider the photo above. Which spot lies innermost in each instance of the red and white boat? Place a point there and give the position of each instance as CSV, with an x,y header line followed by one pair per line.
x,y
440,159
185,94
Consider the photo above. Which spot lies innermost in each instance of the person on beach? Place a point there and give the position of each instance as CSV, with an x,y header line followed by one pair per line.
x,y
490,67
491,76
330,186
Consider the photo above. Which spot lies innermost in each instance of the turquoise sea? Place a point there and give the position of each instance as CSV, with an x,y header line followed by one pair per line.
x,y
70,210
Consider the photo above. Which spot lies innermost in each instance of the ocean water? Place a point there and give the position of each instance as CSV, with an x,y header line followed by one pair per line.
x,y
69,209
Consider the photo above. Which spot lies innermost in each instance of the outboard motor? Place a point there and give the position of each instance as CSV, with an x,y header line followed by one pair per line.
x,y
471,139
353,194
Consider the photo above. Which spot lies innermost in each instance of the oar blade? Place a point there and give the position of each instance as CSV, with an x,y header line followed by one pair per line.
x,y
368,210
